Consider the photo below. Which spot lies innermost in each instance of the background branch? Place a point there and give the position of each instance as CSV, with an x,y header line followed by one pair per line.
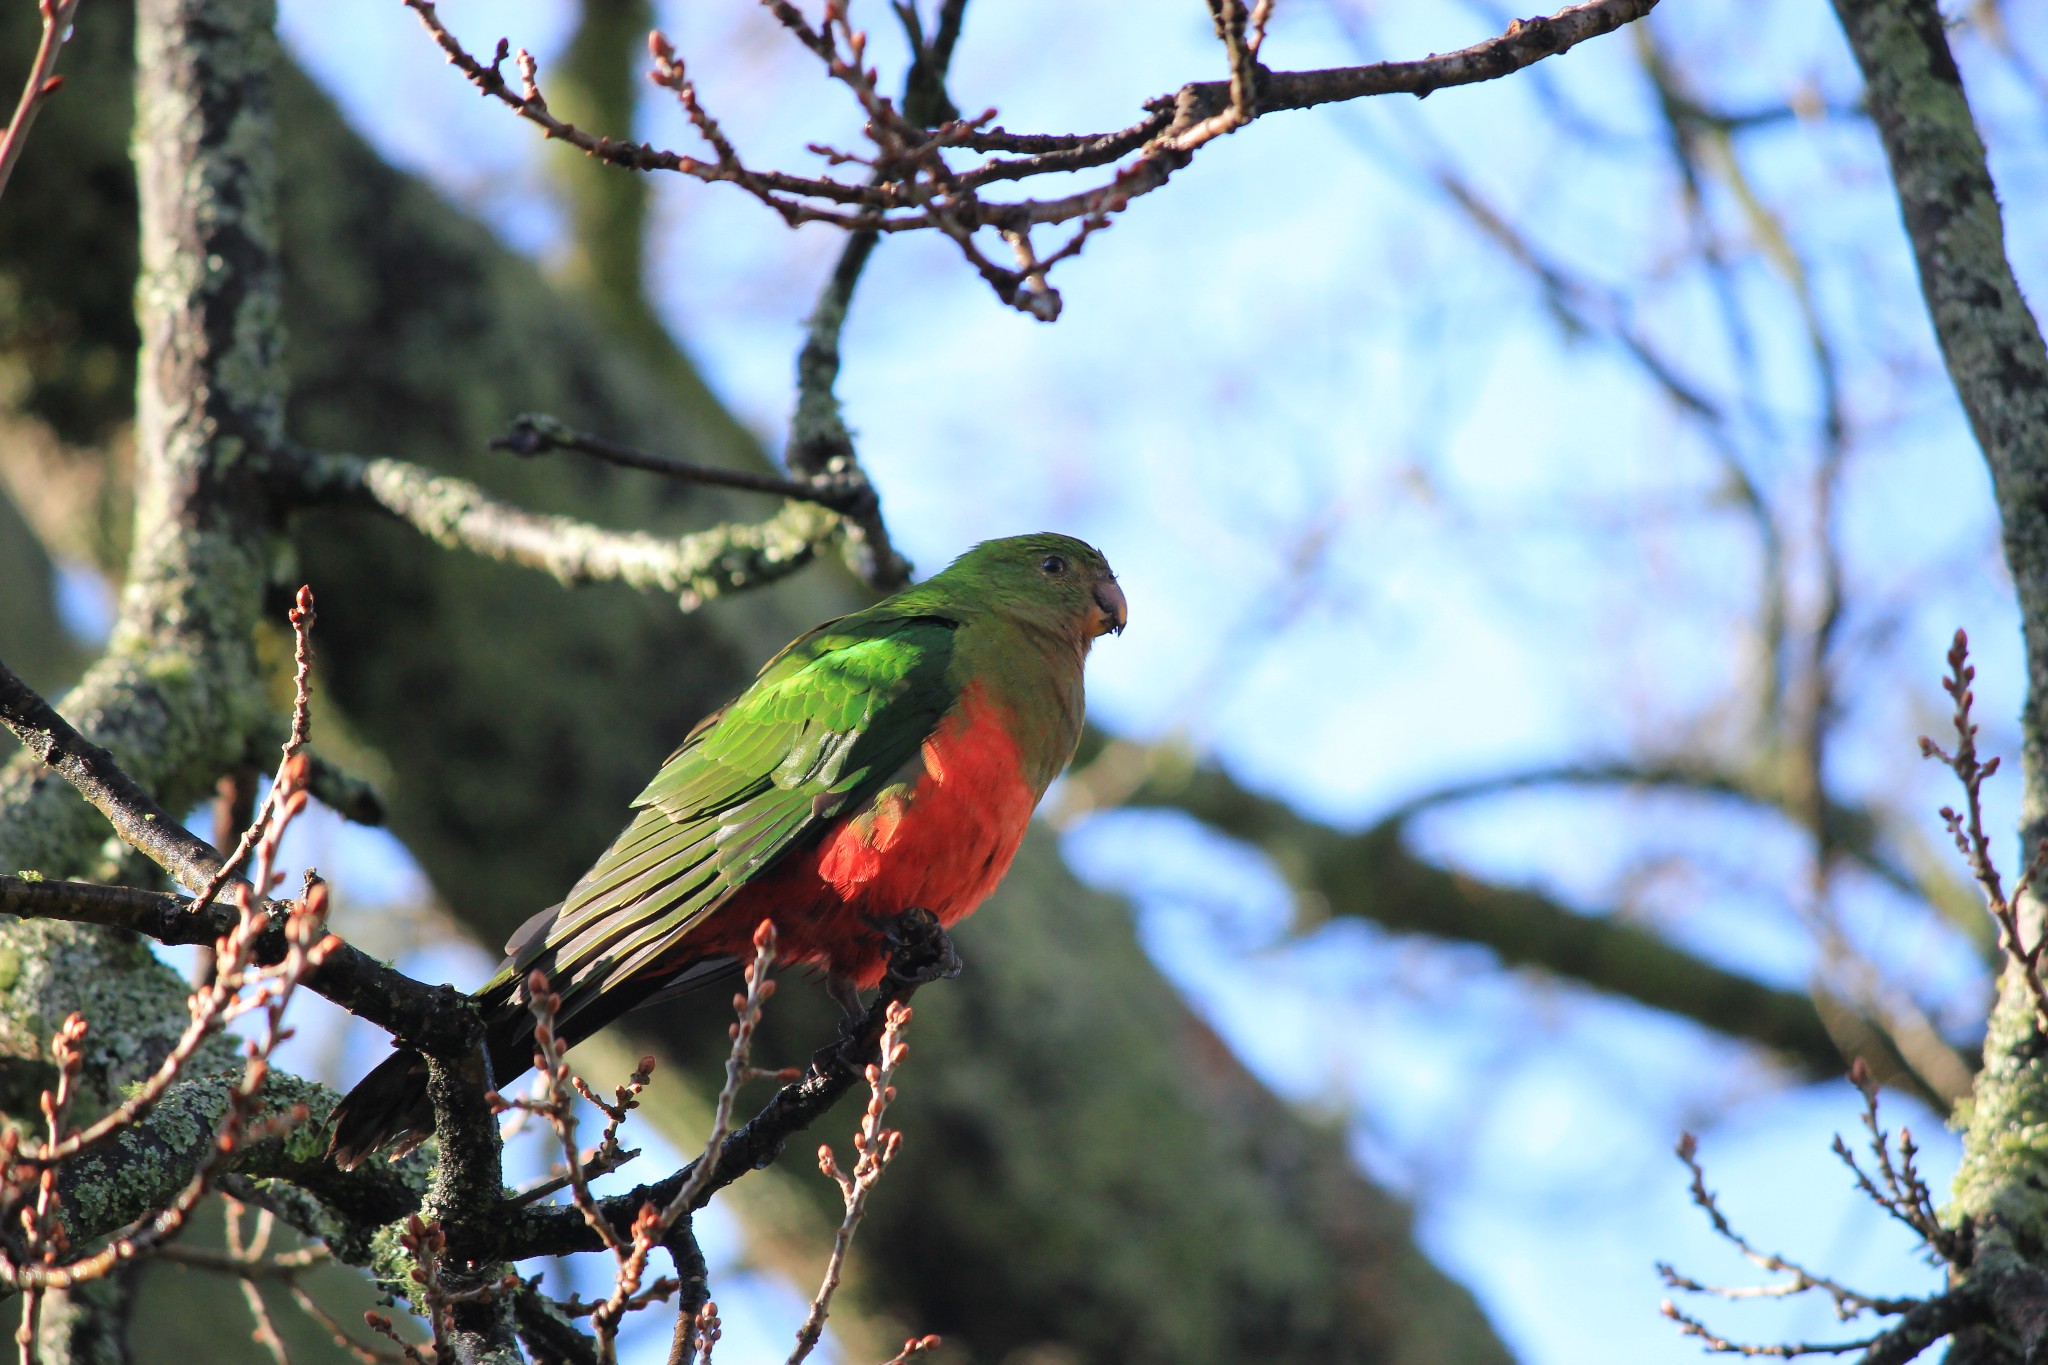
x,y
1372,875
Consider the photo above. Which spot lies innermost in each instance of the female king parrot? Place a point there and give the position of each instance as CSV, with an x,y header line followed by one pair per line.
x,y
886,761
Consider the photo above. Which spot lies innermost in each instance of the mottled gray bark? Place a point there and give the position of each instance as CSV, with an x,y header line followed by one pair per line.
x,y
1993,349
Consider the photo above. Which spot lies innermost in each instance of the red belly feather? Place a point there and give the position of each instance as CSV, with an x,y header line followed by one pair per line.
x,y
942,847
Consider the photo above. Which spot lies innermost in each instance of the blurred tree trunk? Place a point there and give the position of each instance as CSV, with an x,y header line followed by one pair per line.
x,y
1089,1172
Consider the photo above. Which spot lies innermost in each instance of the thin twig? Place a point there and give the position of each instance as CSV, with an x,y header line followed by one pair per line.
x,y
915,188
535,433
40,85
368,1355
922,953
877,1146
558,1106
1776,1350
912,1349
1905,1196
738,1069
1967,828
1798,1279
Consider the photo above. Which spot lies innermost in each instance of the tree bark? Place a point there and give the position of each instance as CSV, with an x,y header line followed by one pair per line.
x,y
175,695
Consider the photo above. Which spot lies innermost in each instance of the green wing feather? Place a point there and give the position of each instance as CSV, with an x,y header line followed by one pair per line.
x,y
827,725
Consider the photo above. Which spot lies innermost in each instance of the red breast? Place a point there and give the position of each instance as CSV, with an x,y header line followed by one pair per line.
x,y
941,845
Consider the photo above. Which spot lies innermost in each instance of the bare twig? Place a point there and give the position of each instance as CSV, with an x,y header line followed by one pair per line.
x,y
41,83
559,1108
368,1355
1776,1350
914,187
535,433
1921,1321
708,1332
739,1069
381,1325
922,953
876,1146
912,1349
302,618
1905,1196
1967,827
1798,1279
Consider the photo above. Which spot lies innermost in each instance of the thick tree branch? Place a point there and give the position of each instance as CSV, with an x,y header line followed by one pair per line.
x,y
430,1018
135,815
453,512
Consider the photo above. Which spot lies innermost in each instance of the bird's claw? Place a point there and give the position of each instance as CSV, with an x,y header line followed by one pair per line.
x,y
920,950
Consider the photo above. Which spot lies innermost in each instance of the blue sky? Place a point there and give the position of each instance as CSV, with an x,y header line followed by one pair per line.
x,y
1386,525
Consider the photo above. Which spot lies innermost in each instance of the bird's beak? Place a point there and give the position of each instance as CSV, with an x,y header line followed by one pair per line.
x,y
1109,600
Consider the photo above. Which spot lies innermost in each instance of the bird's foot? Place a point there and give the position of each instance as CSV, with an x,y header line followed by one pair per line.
x,y
920,950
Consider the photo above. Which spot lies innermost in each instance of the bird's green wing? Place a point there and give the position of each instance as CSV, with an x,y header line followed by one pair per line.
x,y
831,721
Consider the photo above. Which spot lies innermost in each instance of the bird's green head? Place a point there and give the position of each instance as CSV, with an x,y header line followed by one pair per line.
x,y
1050,581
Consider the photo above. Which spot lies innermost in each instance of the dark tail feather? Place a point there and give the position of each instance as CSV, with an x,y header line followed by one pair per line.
x,y
387,1106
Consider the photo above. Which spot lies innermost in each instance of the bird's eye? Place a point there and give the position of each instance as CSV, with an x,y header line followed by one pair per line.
x,y
1053,564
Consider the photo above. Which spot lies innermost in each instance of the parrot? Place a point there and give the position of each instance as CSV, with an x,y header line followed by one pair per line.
x,y
884,762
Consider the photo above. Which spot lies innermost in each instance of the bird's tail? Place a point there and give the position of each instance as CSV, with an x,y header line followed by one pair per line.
x,y
388,1106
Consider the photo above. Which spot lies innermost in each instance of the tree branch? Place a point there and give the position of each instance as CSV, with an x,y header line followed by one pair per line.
x,y
914,188
1372,875
536,434
1924,1324
135,815
921,954
420,1016
457,514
